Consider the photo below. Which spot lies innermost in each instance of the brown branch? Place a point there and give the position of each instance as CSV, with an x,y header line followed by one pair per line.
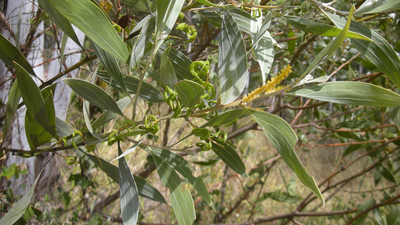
x,y
8,26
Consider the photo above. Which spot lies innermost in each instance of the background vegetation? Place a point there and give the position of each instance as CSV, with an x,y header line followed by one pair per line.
x,y
231,112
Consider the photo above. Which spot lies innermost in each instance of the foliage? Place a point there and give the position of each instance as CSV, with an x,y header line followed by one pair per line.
x,y
195,63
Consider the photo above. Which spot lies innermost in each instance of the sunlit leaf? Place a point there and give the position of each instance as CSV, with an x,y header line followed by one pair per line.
x,y
59,20
232,63
181,201
225,117
182,166
128,192
180,62
167,72
92,21
139,47
230,157
33,100
283,138
352,93
374,6
10,54
189,92
379,52
20,207
12,105
93,94
140,5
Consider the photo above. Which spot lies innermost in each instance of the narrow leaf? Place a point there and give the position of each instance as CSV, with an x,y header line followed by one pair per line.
x,y
230,157
166,15
232,64
351,92
283,138
379,52
33,99
320,28
374,6
93,94
20,207
181,201
168,76
111,65
121,155
128,192
361,209
59,20
140,45
12,105
92,21
226,117
10,54
148,92
280,197
189,92
182,166
180,62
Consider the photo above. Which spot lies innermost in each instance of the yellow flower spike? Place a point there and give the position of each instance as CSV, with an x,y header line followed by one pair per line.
x,y
270,86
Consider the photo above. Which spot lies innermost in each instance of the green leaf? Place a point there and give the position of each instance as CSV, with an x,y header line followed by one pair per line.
x,y
379,52
391,218
230,157
180,62
92,21
320,28
145,189
111,65
395,114
20,207
207,3
166,15
148,92
283,138
361,209
232,63
328,50
140,5
93,94
36,134
189,92
352,93
263,45
182,166
226,117
12,105
121,155
168,76
181,201
33,100
374,6
128,192
139,47
10,54
59,20
280,197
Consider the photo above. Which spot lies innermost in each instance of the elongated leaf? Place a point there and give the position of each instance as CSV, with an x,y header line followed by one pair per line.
x,y
143,39
59,20
36,134
92,21
283,138
182,166
230,157
148,92
189,92
353,93
379,52
332,46
180,62
128,192
20,207
140,5
121,155
181,201
395,114
361,209
374,6
207,3
86,117
111,65
10,54
320,28
145,189
225,117
33,100
232,64
280,197
263,45
12,105
391,218
168,76
93,94
166,15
